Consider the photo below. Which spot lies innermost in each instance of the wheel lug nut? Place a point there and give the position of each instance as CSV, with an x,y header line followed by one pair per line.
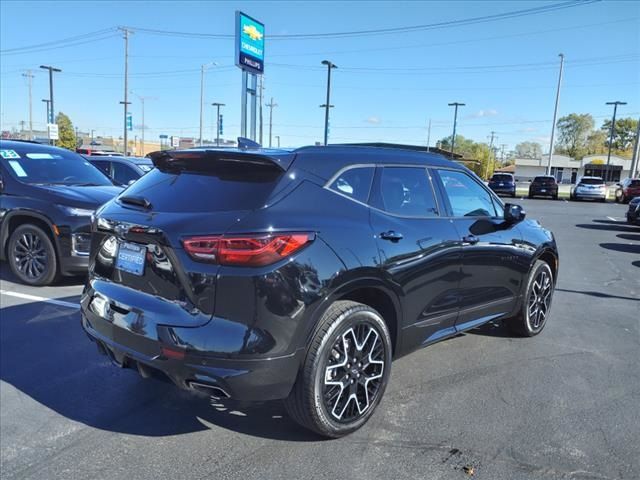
x,y
352,380
348,365
357,375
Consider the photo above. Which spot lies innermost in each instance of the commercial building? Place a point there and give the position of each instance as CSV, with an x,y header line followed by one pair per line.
x,y
567,170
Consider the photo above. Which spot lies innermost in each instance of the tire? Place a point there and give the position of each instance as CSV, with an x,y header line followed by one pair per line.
x,y
41,265
525,324
322,407
555,197
529,196
619,197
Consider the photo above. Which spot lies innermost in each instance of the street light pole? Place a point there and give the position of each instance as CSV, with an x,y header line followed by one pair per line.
x,y
29,76
327,105
613,128
126,101
278,139
202,70
51,108
271,105
47,101
455,121
555,114
218,105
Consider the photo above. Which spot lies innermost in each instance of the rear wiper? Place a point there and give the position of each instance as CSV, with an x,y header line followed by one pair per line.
x,y
136,200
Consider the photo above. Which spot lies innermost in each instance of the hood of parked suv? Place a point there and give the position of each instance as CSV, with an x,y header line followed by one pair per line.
x,y
81,196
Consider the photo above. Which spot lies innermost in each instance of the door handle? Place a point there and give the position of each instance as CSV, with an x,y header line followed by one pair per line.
x,y
470,239
392,236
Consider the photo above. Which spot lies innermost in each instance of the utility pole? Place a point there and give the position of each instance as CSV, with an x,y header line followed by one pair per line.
x,y
260,100
126,101
429,135
144,125
613,129
92,130
327,105
29,76
455,121
217,105
202,70
555,114
502,147
271,105
47,101
635,171
51,117
493,136
278,139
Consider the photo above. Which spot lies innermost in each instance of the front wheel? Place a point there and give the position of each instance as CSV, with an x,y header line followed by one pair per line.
x,y
345,372
31,256
537,302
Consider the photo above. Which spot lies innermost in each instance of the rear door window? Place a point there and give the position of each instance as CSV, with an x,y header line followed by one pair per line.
x,y
103,166
405,192
354,183
123,173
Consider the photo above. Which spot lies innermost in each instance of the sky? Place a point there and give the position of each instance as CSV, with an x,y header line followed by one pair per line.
x,y
387,86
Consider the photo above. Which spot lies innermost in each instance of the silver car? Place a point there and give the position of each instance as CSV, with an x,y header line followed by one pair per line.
x,y
592,188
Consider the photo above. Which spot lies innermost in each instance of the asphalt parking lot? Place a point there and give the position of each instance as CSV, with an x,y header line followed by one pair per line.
x,y
565,404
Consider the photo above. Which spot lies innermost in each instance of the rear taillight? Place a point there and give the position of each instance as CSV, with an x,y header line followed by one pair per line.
x,y
245,250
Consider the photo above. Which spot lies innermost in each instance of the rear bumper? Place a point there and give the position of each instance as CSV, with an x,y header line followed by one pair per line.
x,y
590,195
506,190
543,192
242,379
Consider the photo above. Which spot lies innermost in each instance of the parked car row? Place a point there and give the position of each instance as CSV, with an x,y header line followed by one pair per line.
x,y
586,188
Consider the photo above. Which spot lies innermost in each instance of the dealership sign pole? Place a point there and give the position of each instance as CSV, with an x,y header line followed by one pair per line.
x,y
249,58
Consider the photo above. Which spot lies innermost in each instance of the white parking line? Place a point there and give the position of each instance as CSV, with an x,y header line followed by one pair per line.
x,y
35,298
613,219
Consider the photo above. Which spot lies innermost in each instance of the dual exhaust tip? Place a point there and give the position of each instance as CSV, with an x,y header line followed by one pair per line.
x,y
211,390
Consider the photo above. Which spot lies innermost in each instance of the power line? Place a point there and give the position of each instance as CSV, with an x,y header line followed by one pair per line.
x,y
386,31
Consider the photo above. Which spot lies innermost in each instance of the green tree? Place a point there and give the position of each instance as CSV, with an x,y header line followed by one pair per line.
x,y
463,145
624,134
66,133
529,150
597,142
573,131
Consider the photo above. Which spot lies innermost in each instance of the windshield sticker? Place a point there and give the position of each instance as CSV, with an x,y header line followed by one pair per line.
x,y
16,167
40,156
9,154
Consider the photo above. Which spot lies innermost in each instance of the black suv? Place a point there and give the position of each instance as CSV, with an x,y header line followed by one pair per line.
x,y
544,186
299,275
503,183
48,196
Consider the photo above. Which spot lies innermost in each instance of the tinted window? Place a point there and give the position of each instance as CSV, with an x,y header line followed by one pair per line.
x,y
502,177
405,191
634,183
355,183
234,188
466,196
105,167
51,166
123,173
592,181
544,179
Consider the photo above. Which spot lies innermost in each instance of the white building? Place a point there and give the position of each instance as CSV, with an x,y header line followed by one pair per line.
x,y
567,170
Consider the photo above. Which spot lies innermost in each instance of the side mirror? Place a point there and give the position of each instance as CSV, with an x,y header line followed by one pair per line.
x,y
513,213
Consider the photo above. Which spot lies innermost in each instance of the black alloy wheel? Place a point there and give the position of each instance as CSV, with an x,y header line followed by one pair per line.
x,y
345,373
536,304
31,255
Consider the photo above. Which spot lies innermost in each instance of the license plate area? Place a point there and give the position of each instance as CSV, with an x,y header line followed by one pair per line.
x,y
130,258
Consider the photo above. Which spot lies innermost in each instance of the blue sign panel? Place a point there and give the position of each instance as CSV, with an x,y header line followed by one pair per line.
x,y
249,44
129,122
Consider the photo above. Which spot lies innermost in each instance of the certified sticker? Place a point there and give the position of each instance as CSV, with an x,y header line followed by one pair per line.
x,y
9,154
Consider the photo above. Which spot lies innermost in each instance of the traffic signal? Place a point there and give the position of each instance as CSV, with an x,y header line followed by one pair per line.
x,y
129,122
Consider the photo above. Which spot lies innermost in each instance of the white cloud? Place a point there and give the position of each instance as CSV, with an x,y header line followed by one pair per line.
x,y
373,120
484,113
528,130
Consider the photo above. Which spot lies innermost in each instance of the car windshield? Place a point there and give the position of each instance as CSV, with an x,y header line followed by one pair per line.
x,y
592,181
502,177
55,166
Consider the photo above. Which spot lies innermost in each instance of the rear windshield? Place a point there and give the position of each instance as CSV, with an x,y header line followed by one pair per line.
x,y
591,181
53,167
502,177
238,188
544,179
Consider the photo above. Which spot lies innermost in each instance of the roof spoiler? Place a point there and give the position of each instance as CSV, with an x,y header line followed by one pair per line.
x,y
203,160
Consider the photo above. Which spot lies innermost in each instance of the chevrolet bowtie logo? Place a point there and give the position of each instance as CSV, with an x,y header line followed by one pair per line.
x,y
252,31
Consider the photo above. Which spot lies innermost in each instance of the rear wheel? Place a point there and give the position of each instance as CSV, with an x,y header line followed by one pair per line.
x,y
345,372
31,255
537,302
